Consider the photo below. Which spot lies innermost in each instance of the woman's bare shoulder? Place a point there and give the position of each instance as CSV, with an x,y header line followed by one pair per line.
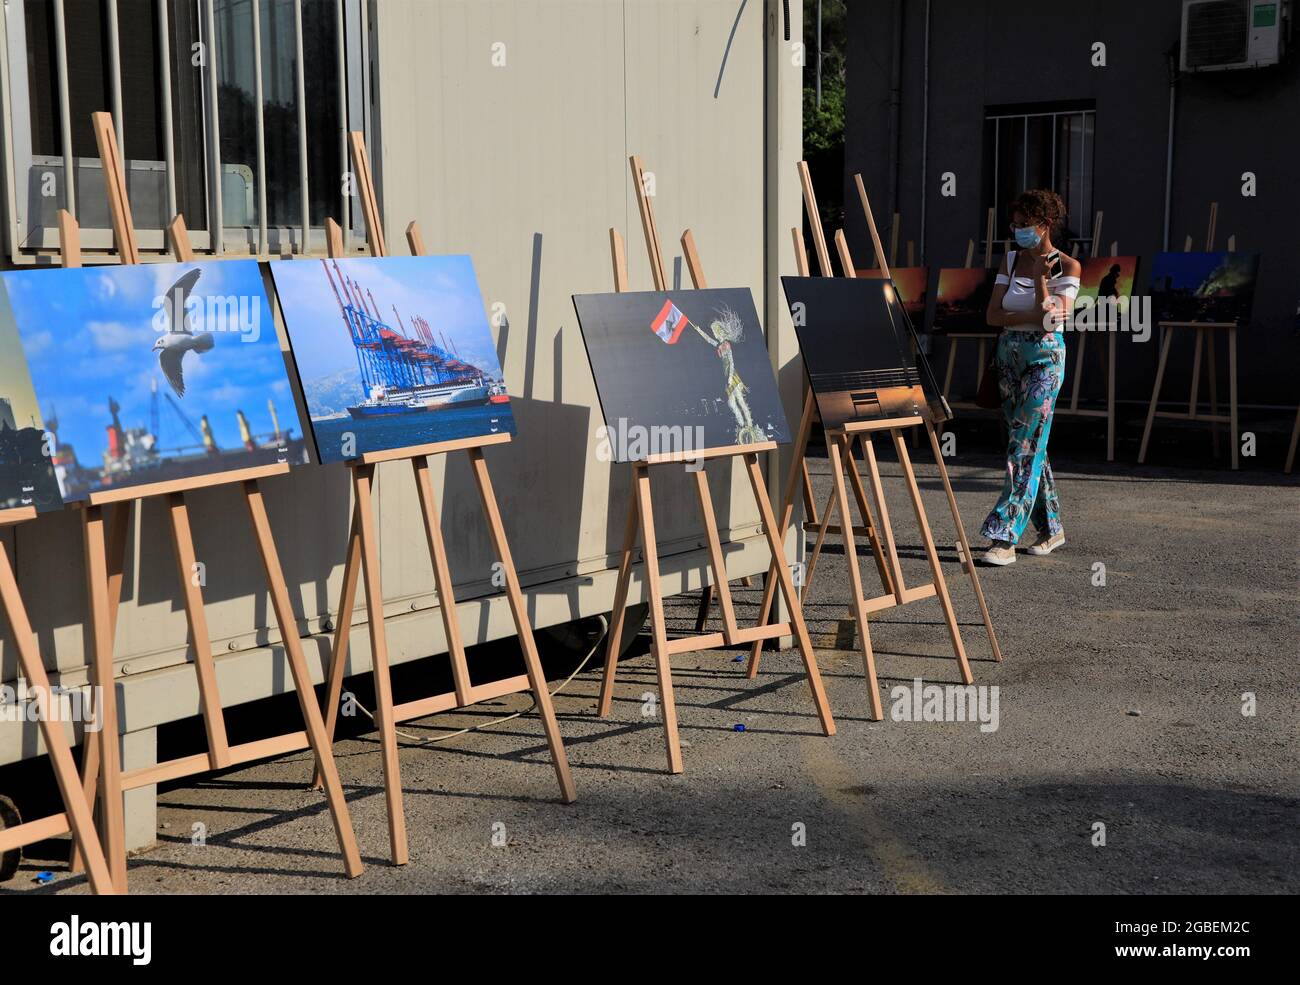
x,y
1070,267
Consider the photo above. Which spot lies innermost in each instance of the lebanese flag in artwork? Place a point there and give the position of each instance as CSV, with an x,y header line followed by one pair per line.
x,y
669,323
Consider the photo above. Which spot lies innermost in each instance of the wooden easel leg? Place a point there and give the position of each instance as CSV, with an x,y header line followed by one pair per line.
x,y
315,725
1155,394
809,501
1295,440
364,519
1194,399
855,582
798,469
188,570
118,526
967,558
873,532
927,539
523,626
702,613
442,578
110,768
1110,396
1214,391
952,361
659,635
787,588
342,635
75,803
615,632
1235,436
882,509
828,514
717,562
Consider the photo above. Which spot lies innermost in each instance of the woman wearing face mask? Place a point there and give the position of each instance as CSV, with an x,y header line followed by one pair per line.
x,y
1034,292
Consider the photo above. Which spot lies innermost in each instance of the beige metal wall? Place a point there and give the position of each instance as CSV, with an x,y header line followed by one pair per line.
x,y
523,166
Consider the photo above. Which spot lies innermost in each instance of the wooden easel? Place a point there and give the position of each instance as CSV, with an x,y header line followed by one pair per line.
x,y
77,816
363,560
1108,360
813,524
840,448
640,520
982,338
104,587
894,232
1205,339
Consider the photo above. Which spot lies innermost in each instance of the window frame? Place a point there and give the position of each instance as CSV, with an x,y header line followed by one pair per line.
x,y
997,115
354,52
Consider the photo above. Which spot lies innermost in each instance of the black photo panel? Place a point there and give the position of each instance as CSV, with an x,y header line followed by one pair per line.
x,y
680,371
858,348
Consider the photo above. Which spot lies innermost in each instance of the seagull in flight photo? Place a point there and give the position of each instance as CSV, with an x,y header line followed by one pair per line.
x,y
172,345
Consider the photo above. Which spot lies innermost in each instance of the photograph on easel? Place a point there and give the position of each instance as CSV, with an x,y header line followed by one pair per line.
x,y
28,458
687,369
1203,287
1108,280
962,298
392,352
912,284
856,345
153,373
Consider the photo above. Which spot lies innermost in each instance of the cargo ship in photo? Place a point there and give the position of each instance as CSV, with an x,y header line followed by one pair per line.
x,y
405,372
135,455
392,401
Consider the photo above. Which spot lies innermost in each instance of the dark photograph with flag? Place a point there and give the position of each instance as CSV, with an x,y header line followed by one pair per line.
x,y
690,367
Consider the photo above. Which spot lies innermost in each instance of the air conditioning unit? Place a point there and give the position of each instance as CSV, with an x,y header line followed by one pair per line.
x,y
1221,35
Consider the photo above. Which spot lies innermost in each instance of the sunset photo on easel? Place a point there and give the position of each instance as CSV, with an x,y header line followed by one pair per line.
x,y
961,299
912,284
156,372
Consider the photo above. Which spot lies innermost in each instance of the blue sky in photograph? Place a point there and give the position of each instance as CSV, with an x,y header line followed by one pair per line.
x,y
1189,270
88,334
442,290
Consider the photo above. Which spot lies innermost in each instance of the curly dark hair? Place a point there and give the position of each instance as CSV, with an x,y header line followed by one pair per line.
x,y
1042,207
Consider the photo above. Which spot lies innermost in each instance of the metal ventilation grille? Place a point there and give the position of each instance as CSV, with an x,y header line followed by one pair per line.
x,y
1218,33
867,379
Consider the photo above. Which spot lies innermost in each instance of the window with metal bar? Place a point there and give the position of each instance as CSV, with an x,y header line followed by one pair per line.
x,y
1040,148
230,108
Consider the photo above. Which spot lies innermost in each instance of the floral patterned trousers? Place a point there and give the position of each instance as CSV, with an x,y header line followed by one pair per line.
x,y
1031,369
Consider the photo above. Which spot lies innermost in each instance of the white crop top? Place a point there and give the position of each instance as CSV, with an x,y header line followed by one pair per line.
x,y
1020,294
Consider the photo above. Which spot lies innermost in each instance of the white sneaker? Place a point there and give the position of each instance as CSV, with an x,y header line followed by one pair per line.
x,y
1000,552
1046,544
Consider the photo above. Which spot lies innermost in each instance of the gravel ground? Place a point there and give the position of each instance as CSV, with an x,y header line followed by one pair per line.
x,y
1119,704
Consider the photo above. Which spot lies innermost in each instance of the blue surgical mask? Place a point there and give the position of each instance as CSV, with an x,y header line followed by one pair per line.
x,y
1027,237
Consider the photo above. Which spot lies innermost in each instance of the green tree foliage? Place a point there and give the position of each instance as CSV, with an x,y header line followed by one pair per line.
x,y
823,126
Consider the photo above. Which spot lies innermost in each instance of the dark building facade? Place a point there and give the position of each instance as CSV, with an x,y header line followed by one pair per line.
x,y
995,95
